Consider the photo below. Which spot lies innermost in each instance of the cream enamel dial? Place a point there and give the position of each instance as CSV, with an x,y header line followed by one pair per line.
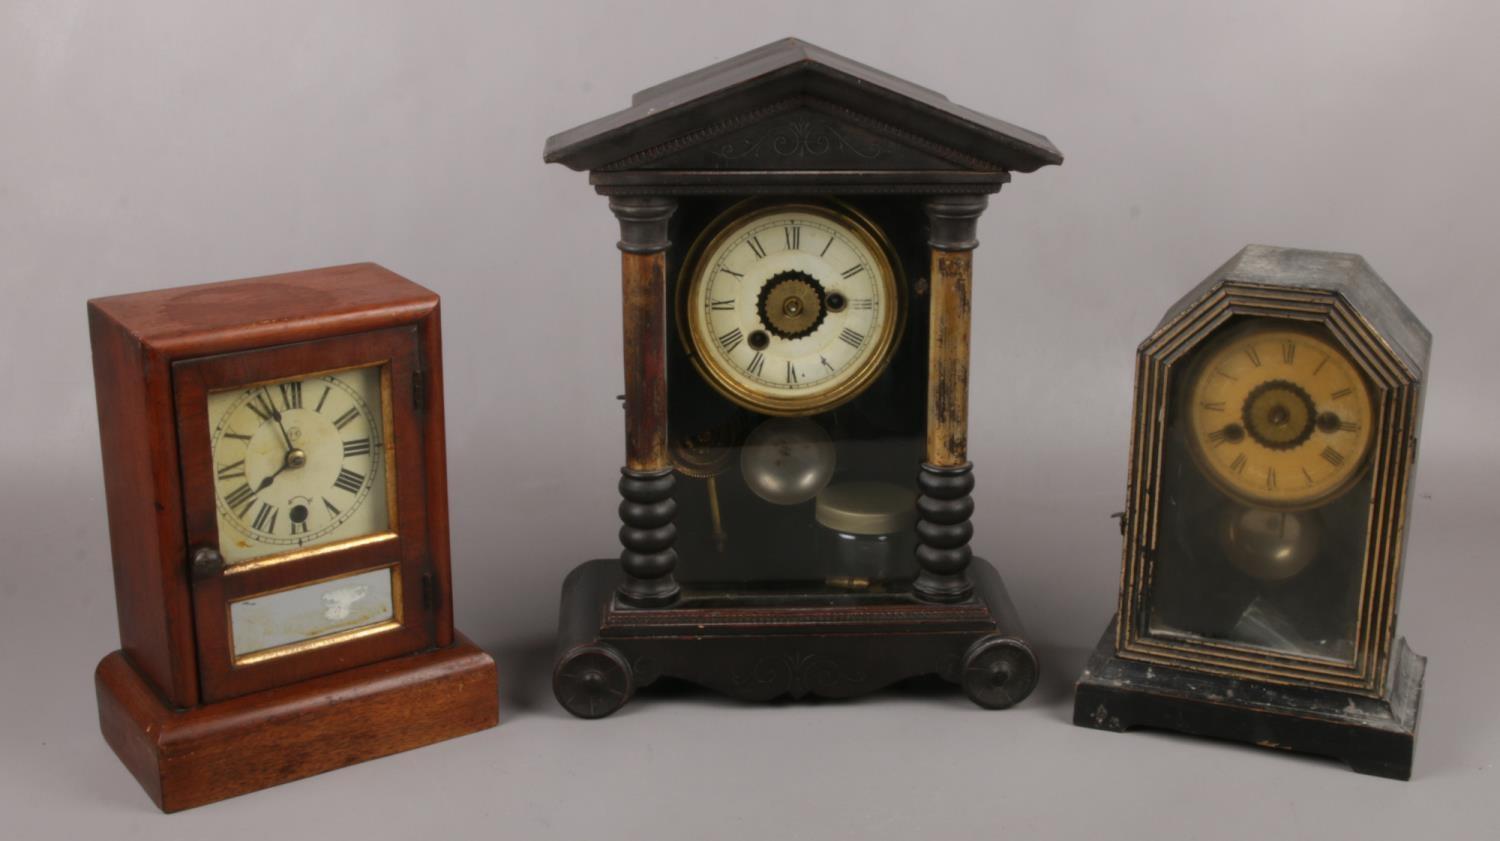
x,y
792,309
299,463
1280,417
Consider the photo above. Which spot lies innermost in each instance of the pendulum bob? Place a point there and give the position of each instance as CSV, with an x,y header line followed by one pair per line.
x,y
784,463
787,461
1270,545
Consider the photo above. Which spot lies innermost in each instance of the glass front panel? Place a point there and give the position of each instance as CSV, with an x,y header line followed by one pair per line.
x,y
300,463
1265,492
797,397
319,611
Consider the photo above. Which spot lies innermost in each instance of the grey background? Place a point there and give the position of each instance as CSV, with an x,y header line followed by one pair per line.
x,y
149,145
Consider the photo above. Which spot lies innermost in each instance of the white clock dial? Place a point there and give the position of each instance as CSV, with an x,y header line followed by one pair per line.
x,y
299,463
792,309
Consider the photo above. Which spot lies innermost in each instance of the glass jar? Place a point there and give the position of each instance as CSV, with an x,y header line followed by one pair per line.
x,y
867,530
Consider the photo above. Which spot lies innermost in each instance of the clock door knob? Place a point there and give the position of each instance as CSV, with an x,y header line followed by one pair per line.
x,y
207,562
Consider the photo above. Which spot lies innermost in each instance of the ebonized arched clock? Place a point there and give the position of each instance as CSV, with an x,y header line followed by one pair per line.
x,y
1274,441
797,232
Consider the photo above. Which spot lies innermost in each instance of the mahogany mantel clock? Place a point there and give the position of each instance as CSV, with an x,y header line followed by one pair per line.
x,y
1276,417
797,232
275,477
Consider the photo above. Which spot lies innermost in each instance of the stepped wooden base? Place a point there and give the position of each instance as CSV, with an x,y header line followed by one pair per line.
x,y
760,647
186,758
1373,735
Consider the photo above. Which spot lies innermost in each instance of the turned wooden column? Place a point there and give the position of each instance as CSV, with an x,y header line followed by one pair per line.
x,y
647,508
946,479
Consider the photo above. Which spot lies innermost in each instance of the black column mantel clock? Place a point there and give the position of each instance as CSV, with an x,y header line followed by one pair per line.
x,y
1275,432
797,232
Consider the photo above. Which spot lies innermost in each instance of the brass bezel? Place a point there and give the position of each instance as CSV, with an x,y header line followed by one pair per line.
x,y
1231,332
689,318
388,445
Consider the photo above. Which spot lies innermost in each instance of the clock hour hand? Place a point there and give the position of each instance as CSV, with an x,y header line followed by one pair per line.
x,y
294,458
266,482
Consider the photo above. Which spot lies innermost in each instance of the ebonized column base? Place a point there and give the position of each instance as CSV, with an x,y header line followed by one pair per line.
x,y
186,758
1372,735
755,650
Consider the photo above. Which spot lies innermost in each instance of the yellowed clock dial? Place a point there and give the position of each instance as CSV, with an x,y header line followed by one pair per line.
x,y
299,463
792,309
1280,417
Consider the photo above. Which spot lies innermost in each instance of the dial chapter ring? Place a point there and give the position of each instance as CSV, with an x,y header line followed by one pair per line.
x,y
1256,402
696,335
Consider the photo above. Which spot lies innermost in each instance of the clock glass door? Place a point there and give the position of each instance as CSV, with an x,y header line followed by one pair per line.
x,y
298,464
797,397
1266,494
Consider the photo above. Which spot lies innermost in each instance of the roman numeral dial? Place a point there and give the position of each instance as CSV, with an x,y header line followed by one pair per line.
x,y
1278,416
299,462
791,309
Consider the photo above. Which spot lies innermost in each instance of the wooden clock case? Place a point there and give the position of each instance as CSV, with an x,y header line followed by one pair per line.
x,y
191,724
1363,709
791,122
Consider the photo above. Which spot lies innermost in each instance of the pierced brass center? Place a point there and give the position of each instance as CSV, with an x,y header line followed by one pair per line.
x,y
793,307
1279,414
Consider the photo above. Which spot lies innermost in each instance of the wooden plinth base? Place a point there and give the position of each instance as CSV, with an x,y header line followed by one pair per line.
x,y
760,648
186,758
1373,735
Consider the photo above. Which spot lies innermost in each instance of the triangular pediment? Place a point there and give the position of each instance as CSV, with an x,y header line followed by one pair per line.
x,y
792,106
800,134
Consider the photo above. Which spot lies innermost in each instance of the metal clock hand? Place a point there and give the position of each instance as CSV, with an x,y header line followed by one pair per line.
x,y
266,482
294,458
276,416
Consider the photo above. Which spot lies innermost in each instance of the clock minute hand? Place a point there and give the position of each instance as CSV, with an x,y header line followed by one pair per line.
x,y
276,416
